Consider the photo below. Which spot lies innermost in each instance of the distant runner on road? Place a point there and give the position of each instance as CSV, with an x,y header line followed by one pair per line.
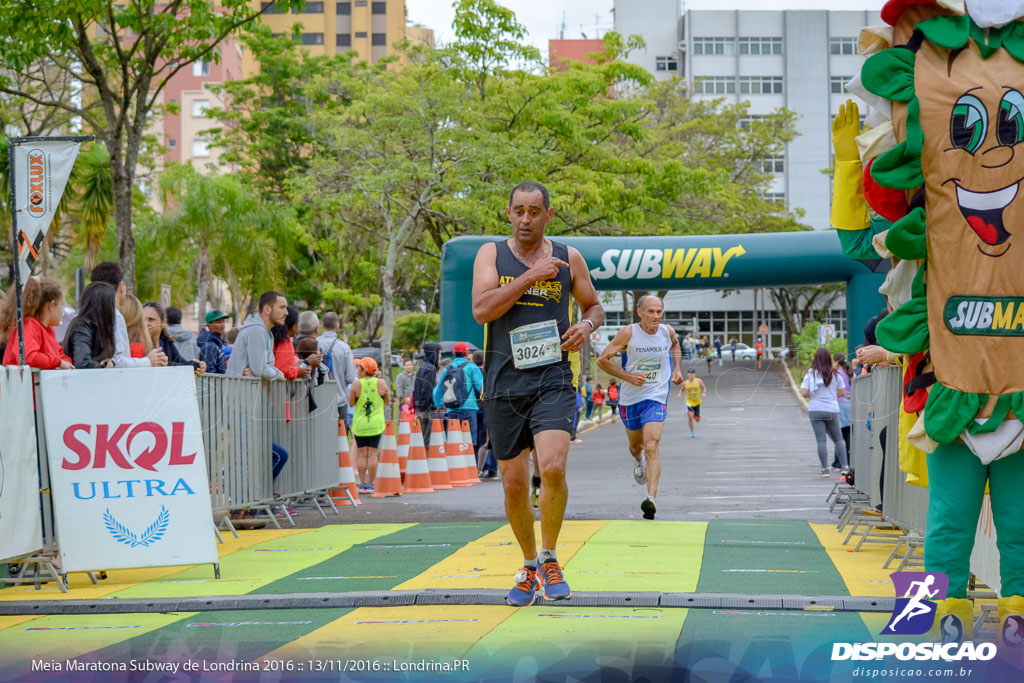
x,y
521,289
651,357
695,390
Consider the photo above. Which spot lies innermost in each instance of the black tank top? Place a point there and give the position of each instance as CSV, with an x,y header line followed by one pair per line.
x,y
546,300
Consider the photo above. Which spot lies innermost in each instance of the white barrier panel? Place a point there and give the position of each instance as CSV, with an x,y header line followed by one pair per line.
x,y
127,468
20,522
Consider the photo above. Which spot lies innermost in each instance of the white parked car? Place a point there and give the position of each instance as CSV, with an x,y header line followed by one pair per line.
x,y
744,352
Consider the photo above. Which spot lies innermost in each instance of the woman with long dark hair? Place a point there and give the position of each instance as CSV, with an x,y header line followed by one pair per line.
x,y
90,336
155,319
845,373
824,389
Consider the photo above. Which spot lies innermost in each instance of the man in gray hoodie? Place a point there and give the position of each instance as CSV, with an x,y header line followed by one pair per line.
x,y
184,340
253,353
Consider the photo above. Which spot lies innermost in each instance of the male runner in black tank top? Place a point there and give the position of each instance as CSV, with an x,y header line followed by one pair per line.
x,y
521,293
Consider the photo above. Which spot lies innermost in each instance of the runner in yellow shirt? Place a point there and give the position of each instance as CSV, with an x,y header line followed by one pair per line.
x,y
695,390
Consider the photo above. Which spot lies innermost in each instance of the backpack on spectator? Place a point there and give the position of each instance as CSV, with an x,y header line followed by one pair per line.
x,y
455,391
329,360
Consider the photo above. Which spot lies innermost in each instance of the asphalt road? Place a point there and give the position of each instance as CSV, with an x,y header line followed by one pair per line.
x,y
754,456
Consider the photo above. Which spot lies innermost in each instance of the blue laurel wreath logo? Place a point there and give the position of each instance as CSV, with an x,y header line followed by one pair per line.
x,y
152,534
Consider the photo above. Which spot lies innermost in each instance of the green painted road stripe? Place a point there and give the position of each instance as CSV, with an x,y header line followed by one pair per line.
x,y
639,556
384,562
251,568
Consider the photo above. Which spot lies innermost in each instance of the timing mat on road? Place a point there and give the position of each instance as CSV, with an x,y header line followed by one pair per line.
x,y
753,557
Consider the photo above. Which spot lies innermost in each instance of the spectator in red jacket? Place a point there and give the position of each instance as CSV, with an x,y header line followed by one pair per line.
x,y
285,359
43,305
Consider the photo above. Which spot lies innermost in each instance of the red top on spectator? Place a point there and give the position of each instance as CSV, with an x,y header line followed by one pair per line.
x,y
41,348
285,359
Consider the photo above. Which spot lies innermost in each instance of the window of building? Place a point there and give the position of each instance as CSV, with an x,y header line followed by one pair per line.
x,y
172,143
773,165
837,84
842,46
344,8
200,68
777,197
312,39
666,64
200,148
344,40
378,8
760,85
360,34
312,8
271,8
714,46
360,3
714,85
199,107
760,46
749,119
379,39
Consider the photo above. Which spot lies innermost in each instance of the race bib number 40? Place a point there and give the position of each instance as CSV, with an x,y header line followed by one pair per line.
x,y
652,368
535,344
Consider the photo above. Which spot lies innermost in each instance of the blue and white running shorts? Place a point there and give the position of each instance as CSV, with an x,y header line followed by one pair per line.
x,y
637,415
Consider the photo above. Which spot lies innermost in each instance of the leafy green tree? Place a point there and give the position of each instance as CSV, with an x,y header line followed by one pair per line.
x,y
123,54
96,198
415,328
802,308
488,38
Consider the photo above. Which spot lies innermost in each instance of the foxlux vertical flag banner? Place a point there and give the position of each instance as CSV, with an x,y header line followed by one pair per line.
x,y
127,468
41,170
20,521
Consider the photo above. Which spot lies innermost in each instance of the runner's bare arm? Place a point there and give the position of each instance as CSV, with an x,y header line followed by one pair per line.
x,y
677,358
384,390
703,388
586,296
490,299
606,361
353,393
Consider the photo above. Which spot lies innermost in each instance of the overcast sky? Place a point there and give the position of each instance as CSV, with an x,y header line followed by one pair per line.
x,y
544,19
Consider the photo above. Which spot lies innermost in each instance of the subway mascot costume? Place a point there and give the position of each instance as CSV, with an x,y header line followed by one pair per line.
x,y
941,167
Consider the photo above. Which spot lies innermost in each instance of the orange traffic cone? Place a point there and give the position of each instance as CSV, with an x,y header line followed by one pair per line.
x,y
439,478
469,453
346,475
417,474
389,479
453,450
403,443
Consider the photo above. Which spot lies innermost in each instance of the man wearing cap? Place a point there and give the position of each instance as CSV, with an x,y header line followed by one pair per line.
x,y
458,388
522,291
367,397
211,342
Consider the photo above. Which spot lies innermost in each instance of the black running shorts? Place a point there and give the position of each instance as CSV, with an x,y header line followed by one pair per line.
x,y
513,420
694,409
368,441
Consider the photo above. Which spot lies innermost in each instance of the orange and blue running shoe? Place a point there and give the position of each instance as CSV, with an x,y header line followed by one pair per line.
x,y
524,592
555,587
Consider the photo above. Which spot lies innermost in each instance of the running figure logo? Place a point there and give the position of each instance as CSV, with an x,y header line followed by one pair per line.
x,y
914,613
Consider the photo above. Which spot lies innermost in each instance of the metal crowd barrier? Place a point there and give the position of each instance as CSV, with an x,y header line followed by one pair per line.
x,y
243,416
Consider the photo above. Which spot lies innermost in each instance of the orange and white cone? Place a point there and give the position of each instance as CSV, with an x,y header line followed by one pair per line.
x,y
403,443
346,474
417,472
470,453
437,460
453,448
389,479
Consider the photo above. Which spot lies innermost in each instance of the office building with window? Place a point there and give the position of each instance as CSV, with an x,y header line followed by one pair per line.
x,y
369,27
798,59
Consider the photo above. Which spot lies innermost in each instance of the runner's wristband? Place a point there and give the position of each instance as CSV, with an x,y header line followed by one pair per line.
x,y
588,320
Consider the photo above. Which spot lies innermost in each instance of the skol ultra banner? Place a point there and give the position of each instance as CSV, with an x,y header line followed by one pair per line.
x,y
40,172
127,468
20,522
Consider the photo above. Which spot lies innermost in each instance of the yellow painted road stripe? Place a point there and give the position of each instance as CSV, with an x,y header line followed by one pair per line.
x,y
492,560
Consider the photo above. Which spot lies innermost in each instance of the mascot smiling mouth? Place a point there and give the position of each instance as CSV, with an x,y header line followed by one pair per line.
x,y
983,211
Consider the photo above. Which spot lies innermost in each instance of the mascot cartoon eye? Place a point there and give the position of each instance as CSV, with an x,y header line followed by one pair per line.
x,y
969,123
1010,127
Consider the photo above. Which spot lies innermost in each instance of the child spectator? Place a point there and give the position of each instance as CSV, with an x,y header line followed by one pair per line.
x,y
613,397
138,337
230,336
599,400
43,306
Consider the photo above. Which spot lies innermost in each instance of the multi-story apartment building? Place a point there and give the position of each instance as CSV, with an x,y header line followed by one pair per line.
x,y
370,27
798,59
